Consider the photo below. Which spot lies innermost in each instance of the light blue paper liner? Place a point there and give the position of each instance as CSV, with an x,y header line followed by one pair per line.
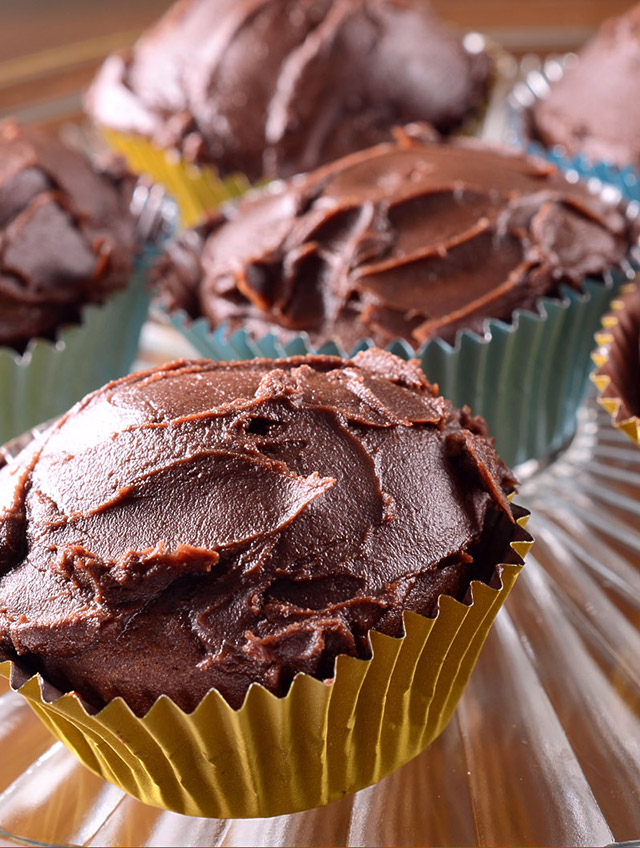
x,y
527,378
49,377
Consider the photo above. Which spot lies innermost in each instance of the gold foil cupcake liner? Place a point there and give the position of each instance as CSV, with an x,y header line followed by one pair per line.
x,y
195,188
320,742
618,360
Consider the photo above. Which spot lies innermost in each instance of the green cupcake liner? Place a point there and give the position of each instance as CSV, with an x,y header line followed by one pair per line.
x,y
49,377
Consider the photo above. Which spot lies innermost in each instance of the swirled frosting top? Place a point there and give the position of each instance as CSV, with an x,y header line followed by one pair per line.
x,y
408,239
275,87
213,525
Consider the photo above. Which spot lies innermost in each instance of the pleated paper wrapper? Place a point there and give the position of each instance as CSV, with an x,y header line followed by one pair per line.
x,y
50,376
617,358
323,741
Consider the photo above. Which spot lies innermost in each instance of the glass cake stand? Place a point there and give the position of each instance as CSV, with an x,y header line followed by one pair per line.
x,y
544,748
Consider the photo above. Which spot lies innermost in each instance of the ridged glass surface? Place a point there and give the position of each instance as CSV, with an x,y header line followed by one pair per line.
x,y
544,748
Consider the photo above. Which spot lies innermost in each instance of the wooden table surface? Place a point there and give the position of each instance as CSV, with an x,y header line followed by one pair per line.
x,y
50,49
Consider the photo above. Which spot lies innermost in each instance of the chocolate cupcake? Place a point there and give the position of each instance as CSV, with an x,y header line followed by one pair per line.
x,y
618,360
404,240
272,88
410,245
189,541
594,108
71,296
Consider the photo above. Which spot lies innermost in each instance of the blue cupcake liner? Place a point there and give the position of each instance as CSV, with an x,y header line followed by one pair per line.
x,y
527,377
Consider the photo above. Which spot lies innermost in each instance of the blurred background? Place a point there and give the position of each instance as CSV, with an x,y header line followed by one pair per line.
x,y
50,49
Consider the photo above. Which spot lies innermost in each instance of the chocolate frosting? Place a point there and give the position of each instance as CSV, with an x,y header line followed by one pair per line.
x,y
595,108
213,525
275,87
409,240
67,237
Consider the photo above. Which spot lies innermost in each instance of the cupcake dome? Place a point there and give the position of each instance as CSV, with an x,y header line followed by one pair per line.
x,y
594,109
275,87
406,240
209,526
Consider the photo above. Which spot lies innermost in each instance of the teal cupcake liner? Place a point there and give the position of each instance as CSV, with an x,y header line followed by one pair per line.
x,y
527,378
50,376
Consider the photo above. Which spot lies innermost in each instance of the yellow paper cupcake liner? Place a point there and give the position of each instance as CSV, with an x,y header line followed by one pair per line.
x,y
323,741
614,338
196,189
